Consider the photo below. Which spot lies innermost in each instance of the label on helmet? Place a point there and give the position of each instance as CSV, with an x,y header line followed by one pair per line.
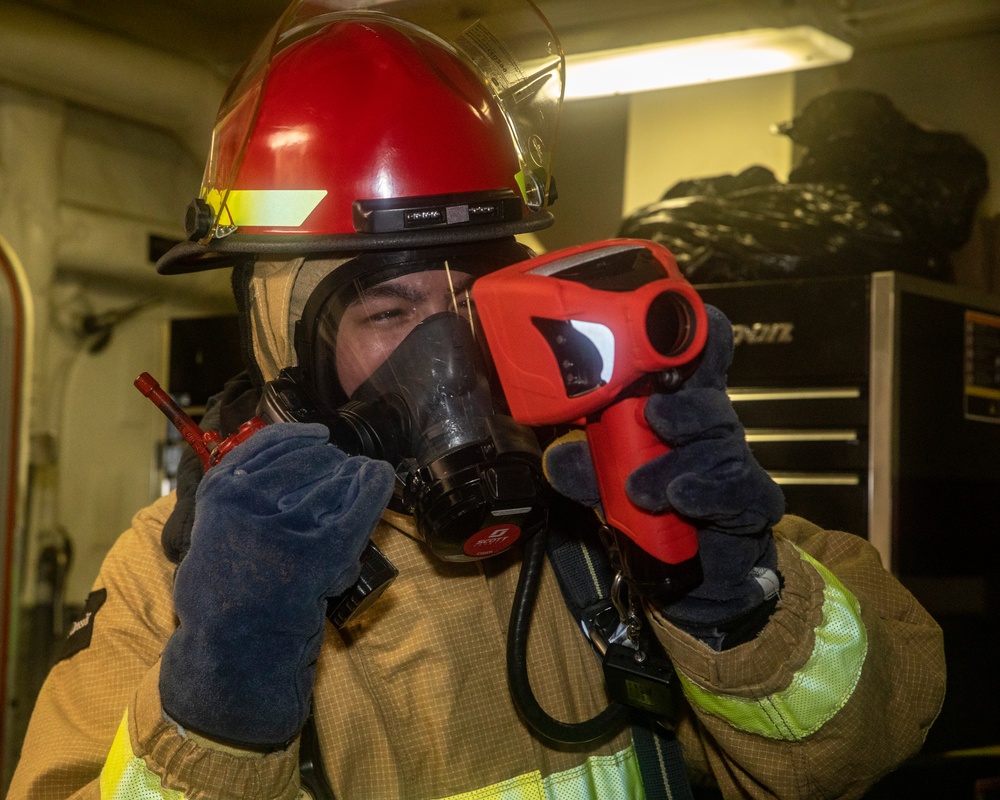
x,y
492,540
491,55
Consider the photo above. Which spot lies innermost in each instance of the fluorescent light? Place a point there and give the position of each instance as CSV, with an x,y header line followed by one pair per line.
x,y
762,51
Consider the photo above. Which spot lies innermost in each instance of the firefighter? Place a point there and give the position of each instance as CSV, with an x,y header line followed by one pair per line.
x,y
365,170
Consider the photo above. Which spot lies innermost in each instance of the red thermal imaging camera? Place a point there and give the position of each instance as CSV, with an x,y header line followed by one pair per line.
x,y
583,336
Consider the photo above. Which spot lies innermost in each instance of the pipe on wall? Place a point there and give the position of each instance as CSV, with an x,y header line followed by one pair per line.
x,y
82,251
55,56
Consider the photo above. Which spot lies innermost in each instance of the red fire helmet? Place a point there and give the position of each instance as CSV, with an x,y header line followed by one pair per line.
x,y
353,130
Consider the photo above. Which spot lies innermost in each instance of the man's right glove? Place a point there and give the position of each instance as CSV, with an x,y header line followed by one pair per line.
x,y
280,524
710,478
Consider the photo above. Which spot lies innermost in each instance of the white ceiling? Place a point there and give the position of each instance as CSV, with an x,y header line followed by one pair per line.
x,y
220,33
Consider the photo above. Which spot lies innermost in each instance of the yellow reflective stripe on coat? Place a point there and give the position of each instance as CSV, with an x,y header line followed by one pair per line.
x,y
600,777
817,691
126,777
265,208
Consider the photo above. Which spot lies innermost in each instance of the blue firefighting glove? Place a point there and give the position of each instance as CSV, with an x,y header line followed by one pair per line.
x,y
280,524
710,478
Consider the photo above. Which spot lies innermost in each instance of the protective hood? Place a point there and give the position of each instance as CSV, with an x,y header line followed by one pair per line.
x,y
276,293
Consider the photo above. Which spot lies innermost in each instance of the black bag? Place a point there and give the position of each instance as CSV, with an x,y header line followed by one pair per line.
x,y
872,191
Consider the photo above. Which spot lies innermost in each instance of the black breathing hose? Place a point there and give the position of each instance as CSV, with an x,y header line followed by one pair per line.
x,y
604,725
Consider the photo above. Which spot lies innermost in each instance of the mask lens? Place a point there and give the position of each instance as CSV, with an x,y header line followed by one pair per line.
x,y
359,313
380,317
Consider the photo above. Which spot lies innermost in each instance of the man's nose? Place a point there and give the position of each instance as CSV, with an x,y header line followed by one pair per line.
x,y
446,302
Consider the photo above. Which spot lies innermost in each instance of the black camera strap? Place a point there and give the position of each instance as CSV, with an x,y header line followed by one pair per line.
x,y
585,575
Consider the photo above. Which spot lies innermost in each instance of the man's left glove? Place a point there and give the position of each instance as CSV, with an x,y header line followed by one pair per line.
x,y
711,478
280,524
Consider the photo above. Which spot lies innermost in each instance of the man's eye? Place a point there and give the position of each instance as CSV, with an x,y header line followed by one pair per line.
x,y
385,315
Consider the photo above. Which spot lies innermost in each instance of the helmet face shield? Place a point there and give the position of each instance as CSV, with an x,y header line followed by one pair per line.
x,y
359,314
351,129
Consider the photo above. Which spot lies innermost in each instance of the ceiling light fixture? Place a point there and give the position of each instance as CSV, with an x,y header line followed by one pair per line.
x,y
724,57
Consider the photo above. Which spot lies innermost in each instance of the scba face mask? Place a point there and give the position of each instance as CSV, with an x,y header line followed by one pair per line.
x,y
392,361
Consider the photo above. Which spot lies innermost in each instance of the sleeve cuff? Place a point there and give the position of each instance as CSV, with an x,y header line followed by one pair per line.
x,y
802,696
766,663
197,767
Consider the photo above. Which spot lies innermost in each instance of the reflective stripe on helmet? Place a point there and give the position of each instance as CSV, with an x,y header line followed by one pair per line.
x,y
261,208
125,776
817,691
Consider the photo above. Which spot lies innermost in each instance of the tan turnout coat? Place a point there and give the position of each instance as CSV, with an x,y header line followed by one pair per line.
x,y
412,700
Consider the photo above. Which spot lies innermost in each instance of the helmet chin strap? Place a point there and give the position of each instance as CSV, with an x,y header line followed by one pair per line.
x,y
240,278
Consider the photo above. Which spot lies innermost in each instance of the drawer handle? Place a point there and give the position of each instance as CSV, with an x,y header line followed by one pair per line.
x,y
815,479
817,393
802,435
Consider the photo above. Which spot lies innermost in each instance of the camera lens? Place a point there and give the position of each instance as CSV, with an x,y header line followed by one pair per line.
x,y
670,323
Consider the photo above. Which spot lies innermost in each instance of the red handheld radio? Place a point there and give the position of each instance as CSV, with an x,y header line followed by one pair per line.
x,y
209,445
377,572
576,336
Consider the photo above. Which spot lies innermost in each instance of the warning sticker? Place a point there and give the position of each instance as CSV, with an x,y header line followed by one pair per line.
x,y
491,55
982,366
